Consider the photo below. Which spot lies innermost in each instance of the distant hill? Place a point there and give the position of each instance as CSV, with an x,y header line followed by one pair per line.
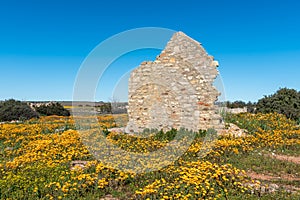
x,y
71,103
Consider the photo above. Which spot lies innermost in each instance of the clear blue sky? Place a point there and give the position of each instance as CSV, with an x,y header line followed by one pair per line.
x,y
43,43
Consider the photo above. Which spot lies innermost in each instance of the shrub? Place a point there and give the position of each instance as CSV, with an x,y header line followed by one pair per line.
x,y
284,101
52,109
16,110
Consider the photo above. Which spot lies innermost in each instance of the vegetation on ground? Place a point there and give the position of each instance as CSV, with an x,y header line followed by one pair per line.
x,y
37,162
53,108
16,110
285,101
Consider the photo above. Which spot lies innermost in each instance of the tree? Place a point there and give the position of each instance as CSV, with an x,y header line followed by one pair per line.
x,y
284,101
251,107
236,104
105,108
52,109
16,110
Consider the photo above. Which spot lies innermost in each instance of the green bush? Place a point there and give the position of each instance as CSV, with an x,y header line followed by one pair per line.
x,y
52,109
16,110
284,101
236,104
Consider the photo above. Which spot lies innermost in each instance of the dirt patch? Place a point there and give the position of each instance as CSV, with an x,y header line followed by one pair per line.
x,y
292,159
264,177
267,177
108,197
290,188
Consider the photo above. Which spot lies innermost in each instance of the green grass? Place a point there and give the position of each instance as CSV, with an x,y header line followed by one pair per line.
x,y
291,150
280,195
260,163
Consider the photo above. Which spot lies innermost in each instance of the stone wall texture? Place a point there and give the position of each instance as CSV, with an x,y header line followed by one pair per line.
x,y
176,90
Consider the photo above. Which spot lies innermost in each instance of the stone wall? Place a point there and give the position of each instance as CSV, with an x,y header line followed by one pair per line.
x,y
175,90
234,110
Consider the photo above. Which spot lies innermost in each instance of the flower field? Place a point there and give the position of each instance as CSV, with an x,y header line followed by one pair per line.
x,y
47,159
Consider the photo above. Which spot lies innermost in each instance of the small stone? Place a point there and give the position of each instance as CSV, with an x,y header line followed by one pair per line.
x,y
78,164
162,55
172,60
215,63
9,148
176,49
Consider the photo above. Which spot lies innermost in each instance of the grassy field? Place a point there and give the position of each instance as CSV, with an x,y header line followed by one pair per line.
x,y
38,161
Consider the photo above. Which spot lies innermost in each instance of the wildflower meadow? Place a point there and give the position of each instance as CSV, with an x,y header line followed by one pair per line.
x,y
39,160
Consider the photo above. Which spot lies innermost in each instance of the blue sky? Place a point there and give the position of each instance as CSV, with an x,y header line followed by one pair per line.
x,y
43,43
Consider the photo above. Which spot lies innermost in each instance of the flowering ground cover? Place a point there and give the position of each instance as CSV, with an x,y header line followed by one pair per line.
x,y
37,162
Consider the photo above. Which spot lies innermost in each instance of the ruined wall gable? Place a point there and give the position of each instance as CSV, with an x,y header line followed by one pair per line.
x,y
175,90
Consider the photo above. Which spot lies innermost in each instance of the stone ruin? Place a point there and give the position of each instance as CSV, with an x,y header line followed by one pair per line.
x,y
176,90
